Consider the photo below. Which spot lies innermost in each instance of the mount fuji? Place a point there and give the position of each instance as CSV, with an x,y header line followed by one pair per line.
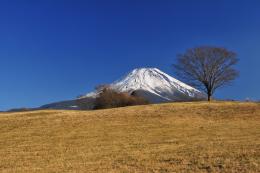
x,y
154,82
150,83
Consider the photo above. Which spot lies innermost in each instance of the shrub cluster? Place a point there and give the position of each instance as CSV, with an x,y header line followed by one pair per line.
x,y
108,98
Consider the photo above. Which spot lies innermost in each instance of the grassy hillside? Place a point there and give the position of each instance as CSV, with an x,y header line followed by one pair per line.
x,y
177,137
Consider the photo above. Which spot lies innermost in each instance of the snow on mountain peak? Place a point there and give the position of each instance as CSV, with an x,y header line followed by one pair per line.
x,y
156,82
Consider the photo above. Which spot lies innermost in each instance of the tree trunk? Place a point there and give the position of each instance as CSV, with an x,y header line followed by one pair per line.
x,y
209,97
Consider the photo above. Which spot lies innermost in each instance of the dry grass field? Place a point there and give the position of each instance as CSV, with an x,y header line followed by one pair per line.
x,y
174,137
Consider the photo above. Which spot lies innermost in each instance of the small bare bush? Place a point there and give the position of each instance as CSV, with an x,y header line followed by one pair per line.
x,y
108,98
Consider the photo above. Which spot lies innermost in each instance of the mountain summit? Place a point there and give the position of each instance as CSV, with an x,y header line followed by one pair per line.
x,y
155,85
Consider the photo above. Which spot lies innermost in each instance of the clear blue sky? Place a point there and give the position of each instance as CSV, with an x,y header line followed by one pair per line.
x,y
53,50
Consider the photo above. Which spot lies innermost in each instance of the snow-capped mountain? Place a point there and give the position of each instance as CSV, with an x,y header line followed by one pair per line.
x,y
150,83
154,85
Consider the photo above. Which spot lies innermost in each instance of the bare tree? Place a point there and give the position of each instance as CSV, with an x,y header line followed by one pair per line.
x,y
207,68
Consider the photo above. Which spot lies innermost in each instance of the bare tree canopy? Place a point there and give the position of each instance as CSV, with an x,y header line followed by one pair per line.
x,y
207,68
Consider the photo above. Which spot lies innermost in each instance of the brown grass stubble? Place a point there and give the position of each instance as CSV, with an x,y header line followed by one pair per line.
x,y
174,137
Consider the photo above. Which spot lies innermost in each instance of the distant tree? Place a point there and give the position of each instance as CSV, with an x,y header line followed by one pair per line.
x,y
207,68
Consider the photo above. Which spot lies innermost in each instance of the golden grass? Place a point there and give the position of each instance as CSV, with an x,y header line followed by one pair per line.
x,y
175,137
